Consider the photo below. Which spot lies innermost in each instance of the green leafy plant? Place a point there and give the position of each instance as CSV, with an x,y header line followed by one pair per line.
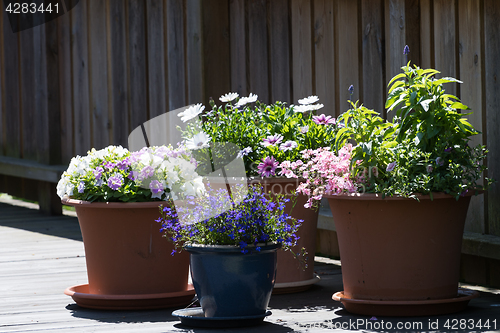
x,y
425,148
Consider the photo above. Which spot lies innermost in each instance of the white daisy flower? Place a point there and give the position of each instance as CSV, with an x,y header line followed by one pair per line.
x,y
229,97
246,100
191,112
305,108
200,140
308,100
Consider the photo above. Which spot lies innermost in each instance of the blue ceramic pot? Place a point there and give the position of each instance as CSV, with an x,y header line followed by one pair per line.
x,y
232,284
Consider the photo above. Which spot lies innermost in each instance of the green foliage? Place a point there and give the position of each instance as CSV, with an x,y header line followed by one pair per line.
x,y
424,149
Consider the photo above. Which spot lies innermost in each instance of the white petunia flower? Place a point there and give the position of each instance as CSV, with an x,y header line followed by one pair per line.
x,y
191,112
246,100
228,97
305,108
308,100
200,140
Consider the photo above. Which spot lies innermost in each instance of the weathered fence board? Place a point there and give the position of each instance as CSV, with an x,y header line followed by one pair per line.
x,y
216,48
194,58
117,41
176,54
372,83
347,52
492,95
469,53
80,83
137,64
324,54
157,85
445,41
302,69
279,51
258,69
98,74
237,37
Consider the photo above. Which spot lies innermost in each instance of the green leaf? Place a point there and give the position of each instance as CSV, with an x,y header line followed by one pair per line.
x,y
458,105
396,85
399,76
445,80
430,71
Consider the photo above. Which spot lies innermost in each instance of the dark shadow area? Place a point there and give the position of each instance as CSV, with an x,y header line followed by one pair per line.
x,y
32,220
263,327
125,316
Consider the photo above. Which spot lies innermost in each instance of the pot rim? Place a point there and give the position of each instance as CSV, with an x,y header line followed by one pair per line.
x,y
378,196
82,203
230,248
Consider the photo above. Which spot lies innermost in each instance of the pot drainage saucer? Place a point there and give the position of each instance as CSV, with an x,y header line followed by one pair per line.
x,y
407,308
82,297
194,317
294,287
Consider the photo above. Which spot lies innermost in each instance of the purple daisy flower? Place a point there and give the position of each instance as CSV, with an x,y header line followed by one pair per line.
x,y
324,120
115,181
272,140
289,145
448,149
268,166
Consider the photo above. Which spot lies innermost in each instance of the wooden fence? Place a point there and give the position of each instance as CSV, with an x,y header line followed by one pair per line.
x,y
88,78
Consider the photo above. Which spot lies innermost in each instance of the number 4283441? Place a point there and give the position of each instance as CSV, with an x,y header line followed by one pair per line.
x,y
31,8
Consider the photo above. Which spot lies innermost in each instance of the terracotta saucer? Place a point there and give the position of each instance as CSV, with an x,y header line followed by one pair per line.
x,y
194,317
294,287
407,308
82,297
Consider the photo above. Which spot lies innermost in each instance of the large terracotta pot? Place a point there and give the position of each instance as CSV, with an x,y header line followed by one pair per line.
x,y
398,249
126,253
291,275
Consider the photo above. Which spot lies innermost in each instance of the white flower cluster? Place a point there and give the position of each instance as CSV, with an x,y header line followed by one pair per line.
x,y
306,104
166,172
169,170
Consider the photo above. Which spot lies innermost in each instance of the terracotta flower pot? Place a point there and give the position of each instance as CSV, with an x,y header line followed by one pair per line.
x,y
126,253
398,249
291,275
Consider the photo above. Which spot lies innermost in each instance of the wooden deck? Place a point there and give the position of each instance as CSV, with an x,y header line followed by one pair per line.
x,y
42,255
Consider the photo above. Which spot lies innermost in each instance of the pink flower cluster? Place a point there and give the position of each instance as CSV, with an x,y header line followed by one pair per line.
x,y
324,172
